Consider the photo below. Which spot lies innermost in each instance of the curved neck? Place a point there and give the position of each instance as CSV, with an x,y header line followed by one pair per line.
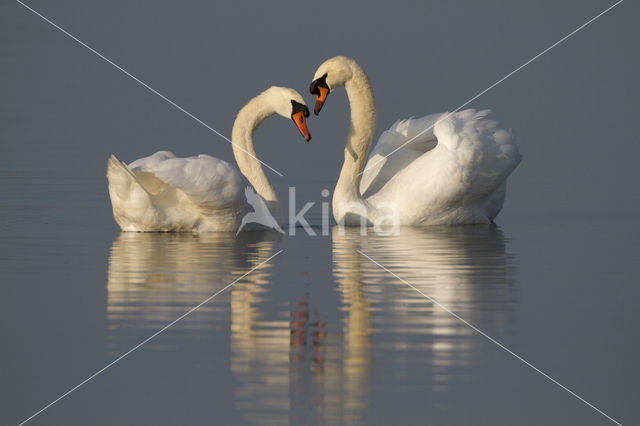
x,y
247,121
363,121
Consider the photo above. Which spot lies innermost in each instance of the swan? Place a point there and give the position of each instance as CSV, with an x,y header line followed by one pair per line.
x,y
205,194
442,169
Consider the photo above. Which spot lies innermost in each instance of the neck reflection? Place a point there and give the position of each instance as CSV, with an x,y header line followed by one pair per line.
x,y
298,359
153,278
467,269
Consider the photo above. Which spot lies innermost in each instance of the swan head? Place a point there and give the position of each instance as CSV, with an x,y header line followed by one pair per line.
x,y
334,72
289,104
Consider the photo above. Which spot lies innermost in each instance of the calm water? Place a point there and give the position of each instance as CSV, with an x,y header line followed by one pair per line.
x,y
302,347
319,334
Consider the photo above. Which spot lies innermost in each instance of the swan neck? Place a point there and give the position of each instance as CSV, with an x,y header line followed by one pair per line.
x,y
363,119
245,125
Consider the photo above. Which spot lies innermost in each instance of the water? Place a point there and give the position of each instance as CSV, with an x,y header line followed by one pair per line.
x,y
319,334
299,351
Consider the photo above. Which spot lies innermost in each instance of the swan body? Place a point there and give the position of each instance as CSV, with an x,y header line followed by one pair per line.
x,y
162,193
441,169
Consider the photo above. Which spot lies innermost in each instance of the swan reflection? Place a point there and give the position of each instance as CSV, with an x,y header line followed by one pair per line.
x,y
154,278
465,269
297,358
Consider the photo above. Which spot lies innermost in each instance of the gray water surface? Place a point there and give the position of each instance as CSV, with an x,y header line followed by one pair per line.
x,y
319,334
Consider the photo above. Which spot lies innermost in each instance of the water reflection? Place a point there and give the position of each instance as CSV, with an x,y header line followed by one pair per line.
x,y
357,306
466,269
297,359
153,278
259,354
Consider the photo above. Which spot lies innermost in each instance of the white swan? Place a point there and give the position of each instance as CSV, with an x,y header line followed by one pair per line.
x,y
453,172
203,193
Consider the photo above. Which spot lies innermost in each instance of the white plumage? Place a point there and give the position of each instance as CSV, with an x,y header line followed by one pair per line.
x,y
163,193
446,168
456,174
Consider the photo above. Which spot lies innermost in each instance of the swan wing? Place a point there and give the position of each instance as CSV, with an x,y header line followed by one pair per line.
x,y
483,153
405,141
208,182
148,164
465,172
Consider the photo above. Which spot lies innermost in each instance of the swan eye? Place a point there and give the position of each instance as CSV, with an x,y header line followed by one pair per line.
x,y
320,88
298,107
317,84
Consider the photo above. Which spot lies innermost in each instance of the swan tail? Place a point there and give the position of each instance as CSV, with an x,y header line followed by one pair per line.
x,y
130,202
121,179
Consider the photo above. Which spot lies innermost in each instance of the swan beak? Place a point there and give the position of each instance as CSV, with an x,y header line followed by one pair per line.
x,y
321,97
301,123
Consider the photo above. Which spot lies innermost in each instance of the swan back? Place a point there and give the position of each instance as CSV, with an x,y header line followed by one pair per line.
x,y
209,182
462,179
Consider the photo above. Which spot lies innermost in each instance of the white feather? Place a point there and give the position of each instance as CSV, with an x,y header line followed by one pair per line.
x,y
164,193
460,180
439,169
203,193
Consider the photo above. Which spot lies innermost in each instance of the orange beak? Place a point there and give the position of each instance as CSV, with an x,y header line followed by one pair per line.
x,y
320,98
301,122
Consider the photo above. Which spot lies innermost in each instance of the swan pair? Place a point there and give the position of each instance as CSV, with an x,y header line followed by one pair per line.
x,y
448,168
